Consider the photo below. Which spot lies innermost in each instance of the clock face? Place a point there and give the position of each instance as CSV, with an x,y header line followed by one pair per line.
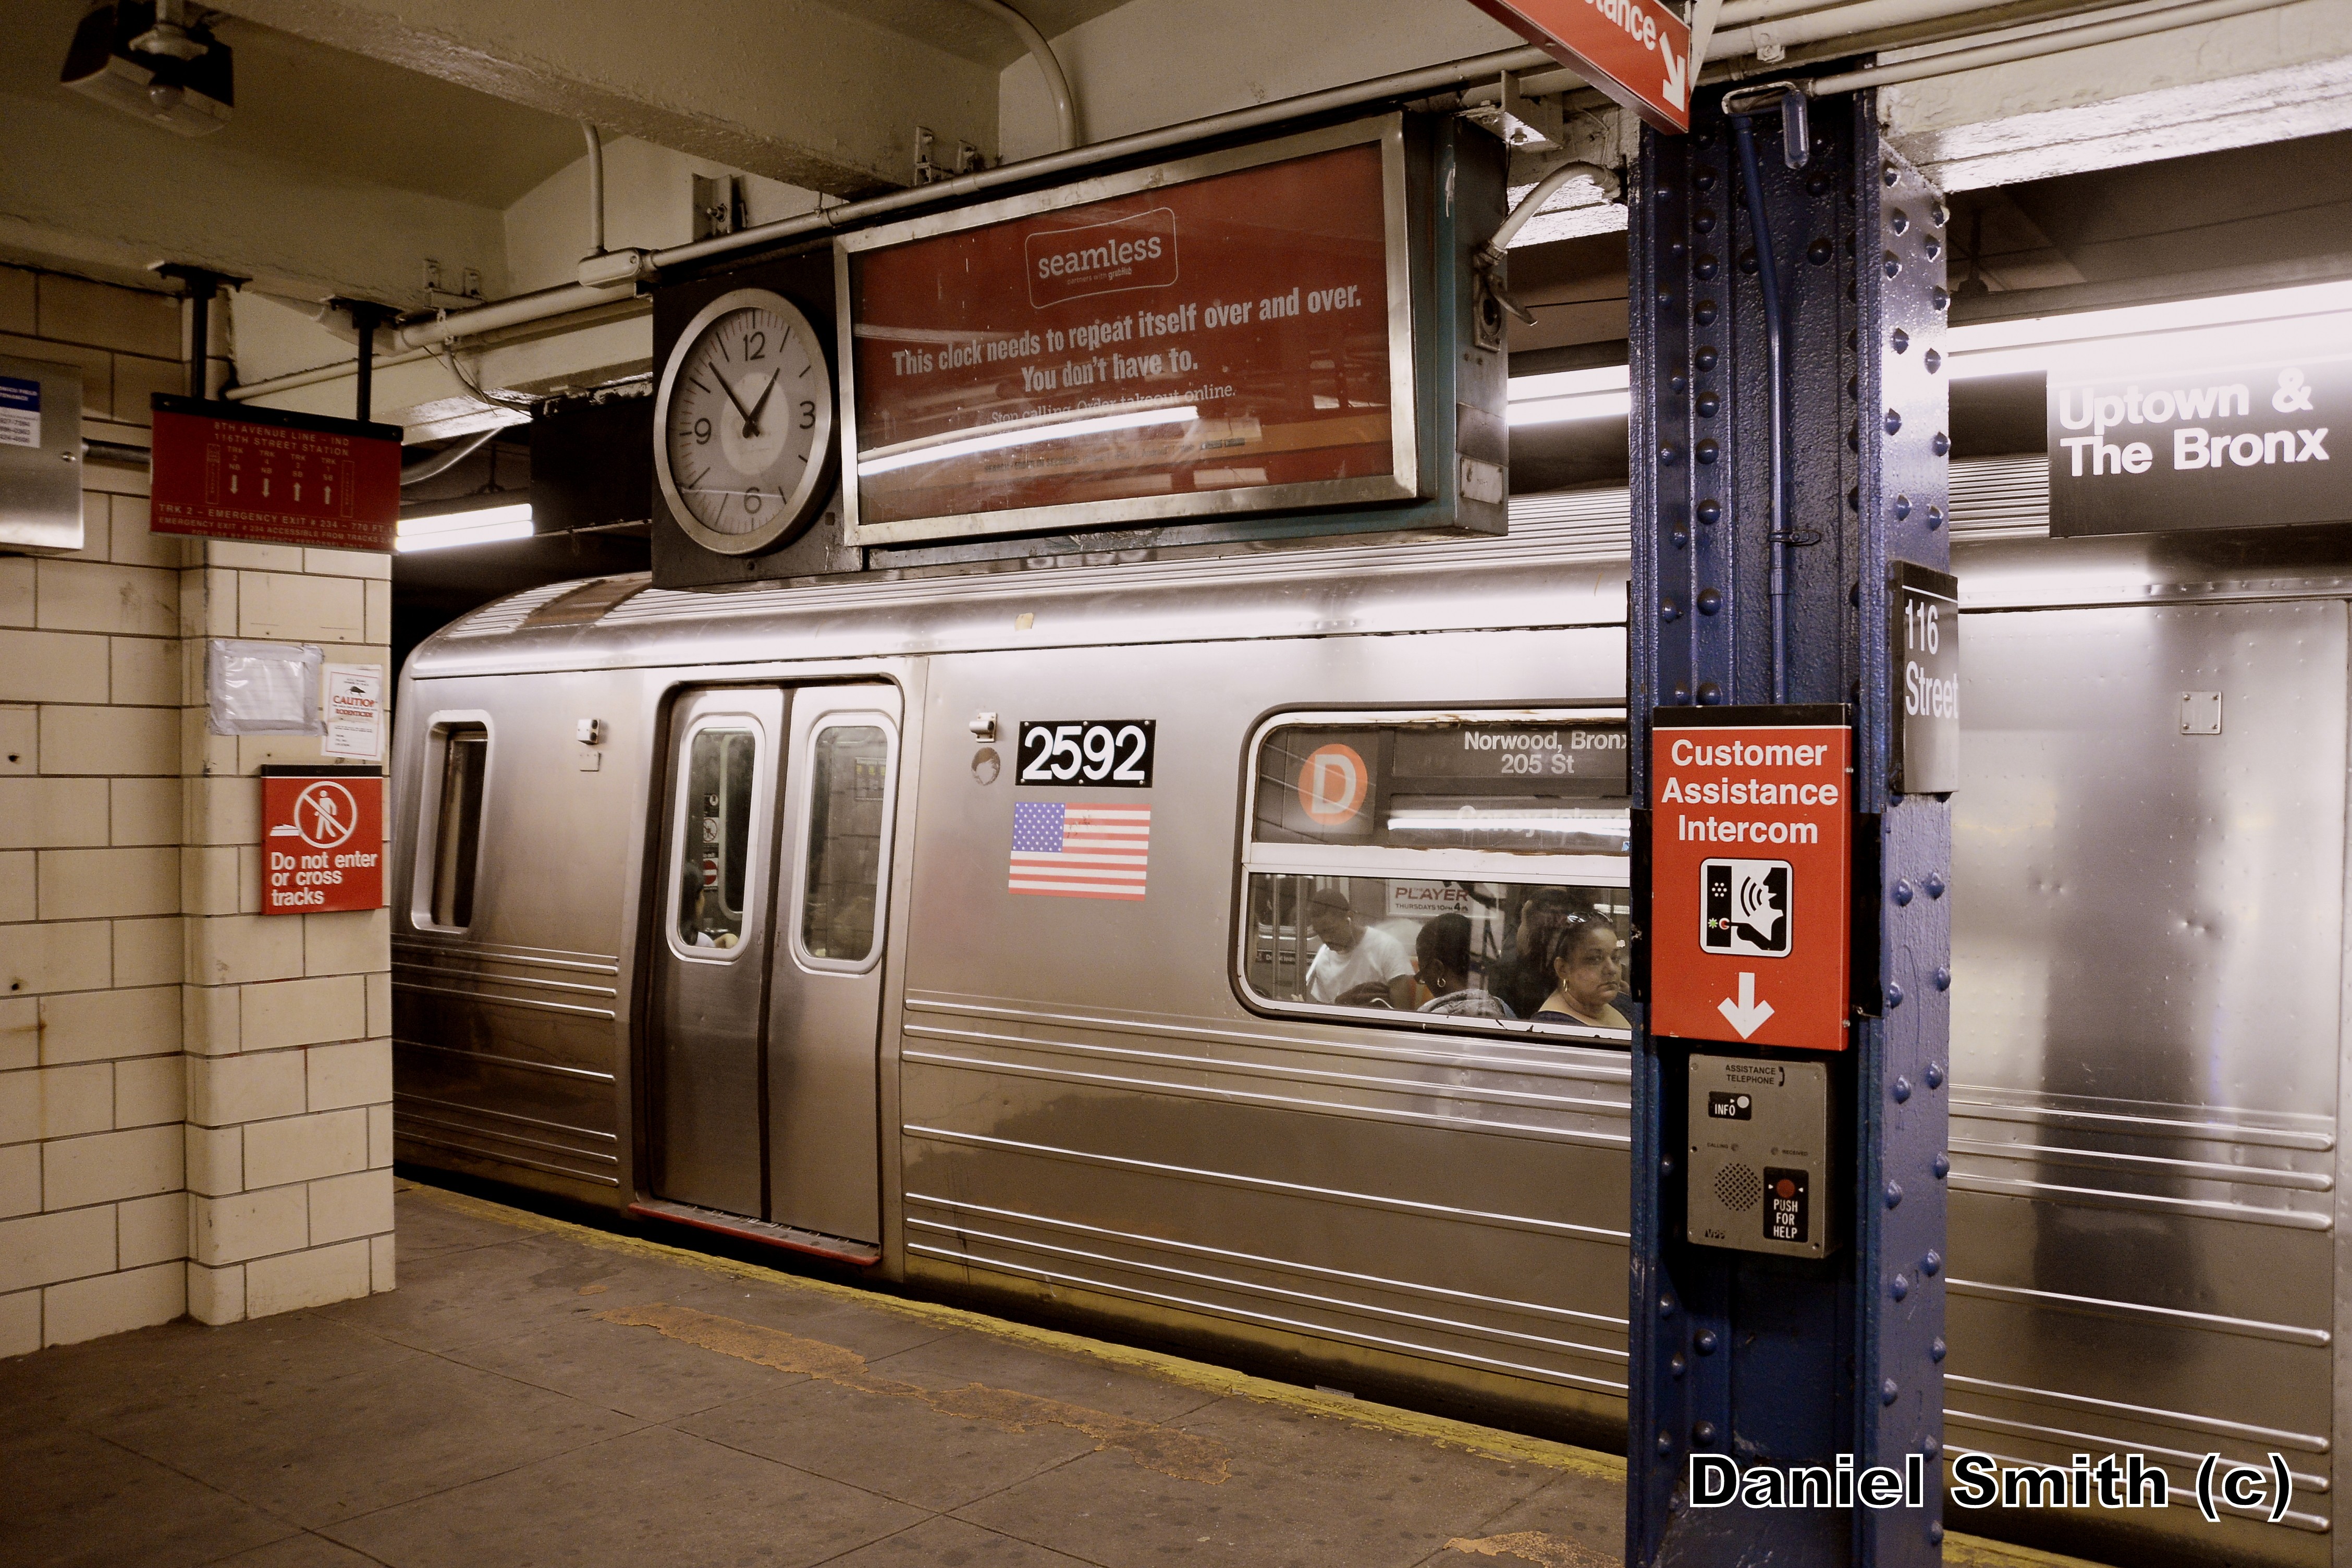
x,y
745,423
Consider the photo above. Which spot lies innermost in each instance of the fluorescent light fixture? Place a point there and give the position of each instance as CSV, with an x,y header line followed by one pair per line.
x,y
1561,397
483,525
1029,435
2051,342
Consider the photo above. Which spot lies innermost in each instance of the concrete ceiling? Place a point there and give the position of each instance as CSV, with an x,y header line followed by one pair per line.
x,y
328,111
968,31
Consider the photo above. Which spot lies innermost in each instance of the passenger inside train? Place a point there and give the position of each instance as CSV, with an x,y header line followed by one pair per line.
x,y
1586,956
1441,960
1358,966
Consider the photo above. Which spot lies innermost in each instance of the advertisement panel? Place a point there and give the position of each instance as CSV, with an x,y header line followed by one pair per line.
x,y
227,471
1231,333
2232,426
1751,864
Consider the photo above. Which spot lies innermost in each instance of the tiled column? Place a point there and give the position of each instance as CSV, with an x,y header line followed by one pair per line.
x,y
93,1221
288,1016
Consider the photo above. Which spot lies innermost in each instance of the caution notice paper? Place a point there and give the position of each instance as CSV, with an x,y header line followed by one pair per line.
x,y
353,710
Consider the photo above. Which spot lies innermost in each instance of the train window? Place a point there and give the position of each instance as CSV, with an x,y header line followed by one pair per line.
x,y
1442,871
848,805
720,774
465,752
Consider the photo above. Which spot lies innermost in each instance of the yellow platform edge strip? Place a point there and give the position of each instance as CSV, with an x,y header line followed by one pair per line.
x,y
1959,1551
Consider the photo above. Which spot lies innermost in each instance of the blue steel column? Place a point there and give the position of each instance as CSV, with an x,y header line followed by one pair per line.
x,y
1773,1361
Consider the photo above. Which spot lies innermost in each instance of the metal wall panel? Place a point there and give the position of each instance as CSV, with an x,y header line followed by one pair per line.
x,y
2148,968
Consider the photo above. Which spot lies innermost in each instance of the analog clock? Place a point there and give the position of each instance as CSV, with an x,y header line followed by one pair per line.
x,y
743,424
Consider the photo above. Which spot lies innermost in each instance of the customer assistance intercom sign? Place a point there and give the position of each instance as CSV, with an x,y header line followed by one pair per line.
x,y
1751,854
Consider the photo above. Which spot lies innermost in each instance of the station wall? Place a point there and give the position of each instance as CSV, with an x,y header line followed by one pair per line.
x,y
195,1099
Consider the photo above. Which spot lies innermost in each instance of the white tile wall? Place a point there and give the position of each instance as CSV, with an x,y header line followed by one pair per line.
x,y
195,1099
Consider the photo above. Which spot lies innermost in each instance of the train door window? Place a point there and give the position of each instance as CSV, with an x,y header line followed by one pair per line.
x,y
1442,871
848,773
453,833
722,765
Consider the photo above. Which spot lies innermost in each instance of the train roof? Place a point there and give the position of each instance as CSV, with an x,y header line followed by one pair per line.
x,y
1563,564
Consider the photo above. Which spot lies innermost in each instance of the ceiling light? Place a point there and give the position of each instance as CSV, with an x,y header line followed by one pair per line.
x,y
489,524
2309,313
151,58
1561,397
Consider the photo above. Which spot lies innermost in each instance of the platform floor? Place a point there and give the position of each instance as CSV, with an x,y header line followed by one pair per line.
x,y
538,1394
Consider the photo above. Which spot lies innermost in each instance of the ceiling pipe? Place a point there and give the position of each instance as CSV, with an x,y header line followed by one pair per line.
x,y
1840,21
1066,107
418,470
595,189
2080,37
567,297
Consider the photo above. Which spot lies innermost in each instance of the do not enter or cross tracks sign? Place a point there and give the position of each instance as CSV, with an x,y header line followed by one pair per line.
x,y
1635,51
1751,870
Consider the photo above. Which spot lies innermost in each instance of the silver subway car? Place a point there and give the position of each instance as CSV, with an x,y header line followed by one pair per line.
x,y
1225,951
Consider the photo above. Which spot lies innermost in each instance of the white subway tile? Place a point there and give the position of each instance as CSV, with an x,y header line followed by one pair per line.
x,y
93,884
248,1226
216,1296
43,1249
52,814
78,956
225,1090
96,1026
152,1230
304,1148
109,1167
313,1279
113,1303
345,1206
146,811
343,1076
52,667
304,1012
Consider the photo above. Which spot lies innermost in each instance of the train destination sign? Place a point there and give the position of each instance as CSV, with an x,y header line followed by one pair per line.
x,y
1751,854
2236,426
1231,333
227,470
1636,52
321,840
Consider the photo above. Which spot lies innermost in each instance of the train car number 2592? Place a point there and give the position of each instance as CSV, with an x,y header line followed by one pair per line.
x,y
1115,754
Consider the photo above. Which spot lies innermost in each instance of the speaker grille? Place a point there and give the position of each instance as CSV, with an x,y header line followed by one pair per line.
x,y
1737,1188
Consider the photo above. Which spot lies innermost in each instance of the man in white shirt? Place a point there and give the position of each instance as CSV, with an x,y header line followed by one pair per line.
x,y
1357,966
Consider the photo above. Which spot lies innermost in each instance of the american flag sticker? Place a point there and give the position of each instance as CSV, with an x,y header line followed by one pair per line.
x,y
1064,849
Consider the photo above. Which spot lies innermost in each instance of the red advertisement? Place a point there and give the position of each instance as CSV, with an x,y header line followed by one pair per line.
x,y
1209,345
1635,51
322,843
1751,856
230,472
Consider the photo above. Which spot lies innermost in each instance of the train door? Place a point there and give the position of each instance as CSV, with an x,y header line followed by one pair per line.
x,y
766,977
709,964
826,997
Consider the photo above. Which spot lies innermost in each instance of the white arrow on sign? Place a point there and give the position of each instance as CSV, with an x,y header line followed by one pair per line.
x,y
1746,1014
1677,77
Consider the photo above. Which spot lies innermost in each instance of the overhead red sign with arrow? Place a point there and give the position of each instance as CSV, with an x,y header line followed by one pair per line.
x,y
1636,51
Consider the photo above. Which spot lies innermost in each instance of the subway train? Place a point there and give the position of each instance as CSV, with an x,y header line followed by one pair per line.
x,y
1176,947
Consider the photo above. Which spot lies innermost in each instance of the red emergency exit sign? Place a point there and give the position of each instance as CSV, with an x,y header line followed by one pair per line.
x,y
1751,857
1635,51
229,471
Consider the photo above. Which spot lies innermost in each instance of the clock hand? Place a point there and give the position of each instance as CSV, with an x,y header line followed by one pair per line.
x,y
730,390
762,402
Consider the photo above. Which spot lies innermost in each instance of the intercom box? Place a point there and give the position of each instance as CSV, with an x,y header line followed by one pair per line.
x,y
1759,1166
